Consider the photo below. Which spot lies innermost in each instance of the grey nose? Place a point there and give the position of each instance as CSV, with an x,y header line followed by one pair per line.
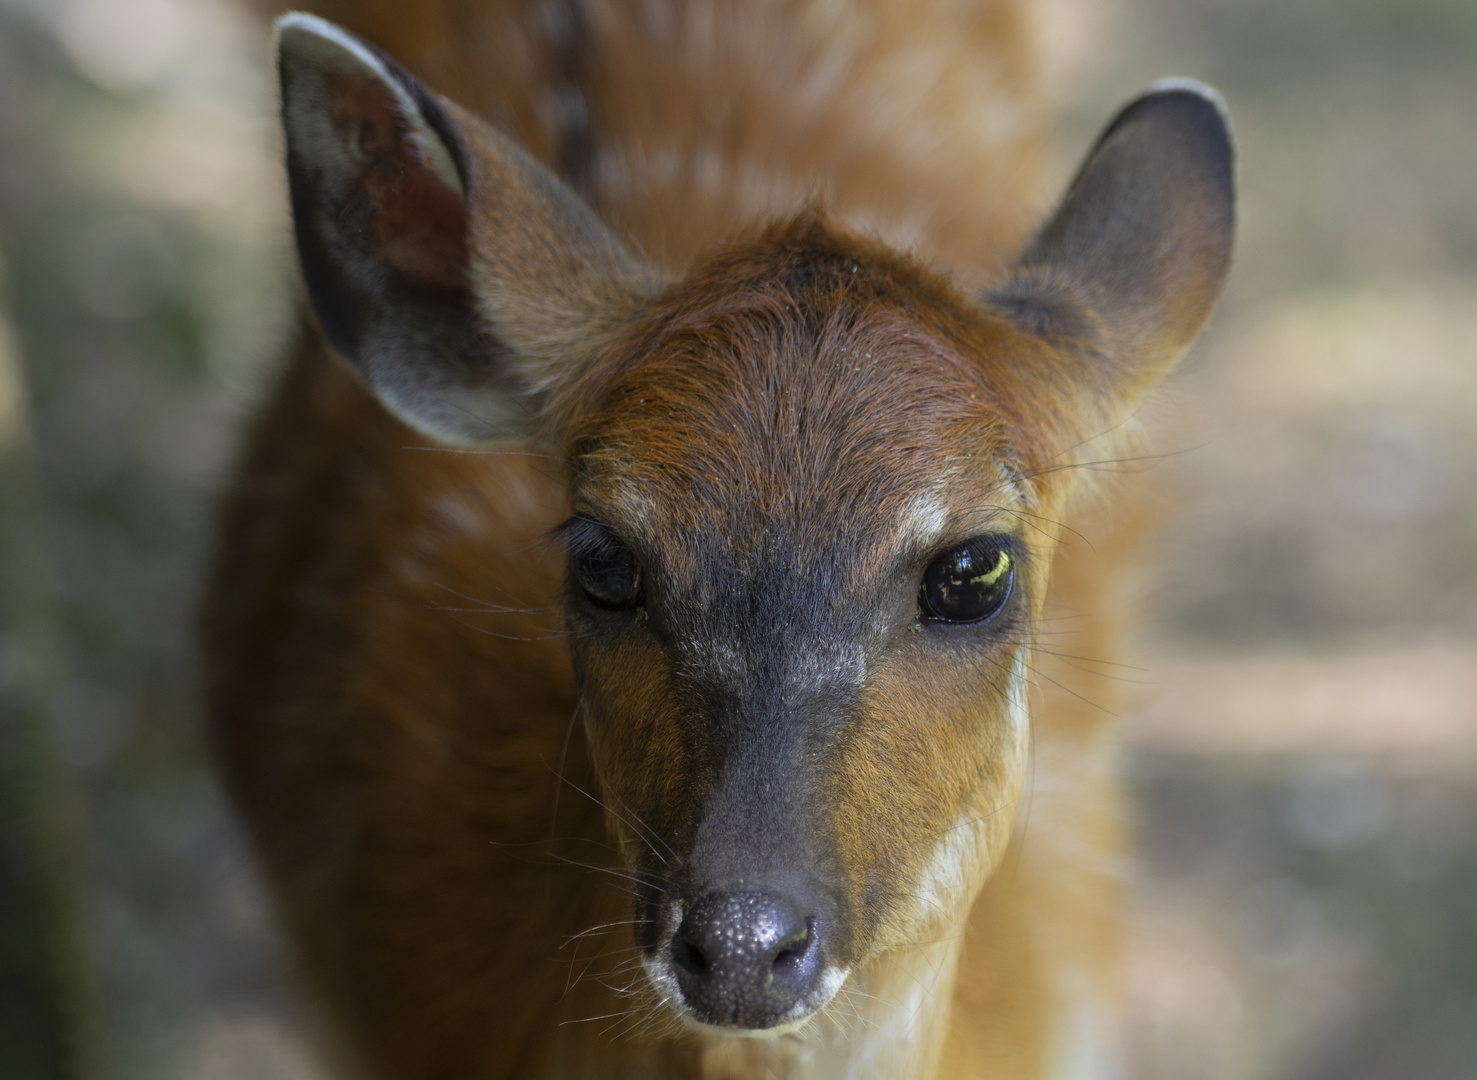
x,y
745,957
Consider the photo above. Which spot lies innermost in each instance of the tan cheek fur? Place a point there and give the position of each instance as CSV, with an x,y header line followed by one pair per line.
x,y
920,780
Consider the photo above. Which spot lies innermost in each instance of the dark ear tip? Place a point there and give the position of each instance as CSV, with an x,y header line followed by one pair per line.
x,y
1197,110
1190,92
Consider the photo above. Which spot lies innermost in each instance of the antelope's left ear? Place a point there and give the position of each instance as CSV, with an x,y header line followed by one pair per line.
x,y
1126,271
464,282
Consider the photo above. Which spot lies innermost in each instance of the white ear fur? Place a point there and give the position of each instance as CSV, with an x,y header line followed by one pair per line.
x,y
1193,86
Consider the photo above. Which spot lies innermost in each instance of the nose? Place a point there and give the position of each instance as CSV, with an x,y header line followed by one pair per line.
x,y
743,958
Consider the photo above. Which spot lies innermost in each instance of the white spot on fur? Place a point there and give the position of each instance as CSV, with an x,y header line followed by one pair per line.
x,y
817,667
635,505
923,518
707,166
949,872
899,1018
1017,696
805,669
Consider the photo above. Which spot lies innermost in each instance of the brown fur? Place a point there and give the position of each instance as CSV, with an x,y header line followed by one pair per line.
x,y
390,674
922,122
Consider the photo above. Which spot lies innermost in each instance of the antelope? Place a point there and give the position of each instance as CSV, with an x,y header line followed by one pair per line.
x,y
623,639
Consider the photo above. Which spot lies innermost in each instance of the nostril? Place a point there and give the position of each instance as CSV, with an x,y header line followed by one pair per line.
x,y
690,957
787,960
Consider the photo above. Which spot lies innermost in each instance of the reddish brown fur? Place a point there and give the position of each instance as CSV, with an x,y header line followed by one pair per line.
x,y
394,703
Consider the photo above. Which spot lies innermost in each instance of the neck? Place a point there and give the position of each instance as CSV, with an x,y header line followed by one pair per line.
x,y
915,125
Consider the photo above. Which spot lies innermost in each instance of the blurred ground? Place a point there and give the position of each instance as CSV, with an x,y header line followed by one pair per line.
x,y
1305,756
1304,759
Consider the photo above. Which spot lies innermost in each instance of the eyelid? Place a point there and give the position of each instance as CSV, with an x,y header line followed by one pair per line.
x,y
584,535
1008,542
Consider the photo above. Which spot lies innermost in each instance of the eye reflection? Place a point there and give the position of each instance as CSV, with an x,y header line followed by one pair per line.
x,y
969,583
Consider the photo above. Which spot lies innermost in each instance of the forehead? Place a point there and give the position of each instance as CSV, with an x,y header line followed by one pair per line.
x,y
797,393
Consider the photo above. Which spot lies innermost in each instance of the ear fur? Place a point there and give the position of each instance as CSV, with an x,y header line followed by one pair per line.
x,y
456,274
1126,271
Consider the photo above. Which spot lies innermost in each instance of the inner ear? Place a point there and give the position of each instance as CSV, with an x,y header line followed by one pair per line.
x,y
377,177
464,281
403,173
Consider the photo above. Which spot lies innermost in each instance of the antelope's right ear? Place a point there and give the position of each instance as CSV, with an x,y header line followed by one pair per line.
x,y
1124,274
459,277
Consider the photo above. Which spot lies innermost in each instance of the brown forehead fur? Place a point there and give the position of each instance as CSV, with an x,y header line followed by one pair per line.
x,y
817,376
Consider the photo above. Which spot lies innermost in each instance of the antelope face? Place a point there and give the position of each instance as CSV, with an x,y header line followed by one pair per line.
x,y
812,488
801,581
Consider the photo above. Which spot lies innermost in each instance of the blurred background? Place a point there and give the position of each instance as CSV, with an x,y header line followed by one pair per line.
x,y
1303,757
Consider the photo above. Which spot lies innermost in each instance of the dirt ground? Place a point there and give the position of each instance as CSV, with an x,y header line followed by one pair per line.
x,y
1302,751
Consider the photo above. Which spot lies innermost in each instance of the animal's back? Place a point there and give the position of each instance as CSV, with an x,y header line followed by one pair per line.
x,y
683,121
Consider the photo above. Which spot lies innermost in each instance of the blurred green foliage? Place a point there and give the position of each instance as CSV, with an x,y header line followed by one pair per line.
x,y
139,314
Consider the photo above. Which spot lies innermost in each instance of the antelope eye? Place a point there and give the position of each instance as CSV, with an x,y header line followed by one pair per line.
x,y
605,569
969,583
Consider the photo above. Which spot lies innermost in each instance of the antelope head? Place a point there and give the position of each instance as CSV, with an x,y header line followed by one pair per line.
x,y
813,487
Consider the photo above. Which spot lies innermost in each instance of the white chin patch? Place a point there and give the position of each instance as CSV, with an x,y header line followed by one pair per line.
x,y
664,982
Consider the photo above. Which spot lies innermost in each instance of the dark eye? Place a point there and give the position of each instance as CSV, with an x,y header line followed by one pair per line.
x,y
969,583
605,569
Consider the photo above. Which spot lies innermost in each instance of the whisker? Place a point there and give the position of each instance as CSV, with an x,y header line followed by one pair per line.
x,y
559,776
489,606
652,833
606,807
602,926
635,879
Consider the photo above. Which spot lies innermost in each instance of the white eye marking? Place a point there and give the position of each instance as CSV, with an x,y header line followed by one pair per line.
x,y
923,519
635,505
